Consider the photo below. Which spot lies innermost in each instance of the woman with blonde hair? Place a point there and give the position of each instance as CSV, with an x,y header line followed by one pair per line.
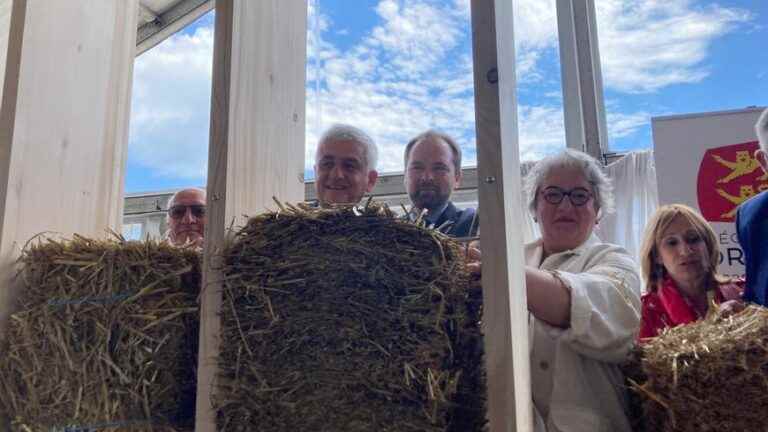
x,y
679,258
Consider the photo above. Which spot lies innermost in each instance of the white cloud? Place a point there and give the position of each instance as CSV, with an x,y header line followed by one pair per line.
x,y
541,131
413,71
621,125
407,75
171,105
535,24
647,45
414,35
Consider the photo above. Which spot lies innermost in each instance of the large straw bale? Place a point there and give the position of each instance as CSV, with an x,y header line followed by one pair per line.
x,y
104,338
711,375
348,319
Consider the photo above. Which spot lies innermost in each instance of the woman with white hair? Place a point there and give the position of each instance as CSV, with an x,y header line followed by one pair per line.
x,y
583,297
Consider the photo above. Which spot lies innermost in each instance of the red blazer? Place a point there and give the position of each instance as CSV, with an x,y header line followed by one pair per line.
x,y
666,307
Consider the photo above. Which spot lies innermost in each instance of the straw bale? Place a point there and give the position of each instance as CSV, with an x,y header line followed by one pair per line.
x,y
104,338
711,375
348,319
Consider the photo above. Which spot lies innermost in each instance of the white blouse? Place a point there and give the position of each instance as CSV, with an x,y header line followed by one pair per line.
x,y
576,382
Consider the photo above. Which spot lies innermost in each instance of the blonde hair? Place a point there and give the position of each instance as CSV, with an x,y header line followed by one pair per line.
x,y
653,271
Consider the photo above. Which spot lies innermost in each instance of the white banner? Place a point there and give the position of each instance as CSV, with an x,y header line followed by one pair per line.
x,y
706,161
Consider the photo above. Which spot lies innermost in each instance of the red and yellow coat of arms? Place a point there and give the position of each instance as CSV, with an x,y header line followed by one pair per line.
x,y
728,176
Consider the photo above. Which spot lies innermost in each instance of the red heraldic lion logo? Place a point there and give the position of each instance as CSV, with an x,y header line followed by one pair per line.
x,y
728,176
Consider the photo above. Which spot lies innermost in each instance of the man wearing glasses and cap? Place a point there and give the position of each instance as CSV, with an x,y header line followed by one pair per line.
x,y
186,218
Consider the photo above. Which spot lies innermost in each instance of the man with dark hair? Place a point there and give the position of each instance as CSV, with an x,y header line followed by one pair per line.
x,y
752,227
186,218
432,173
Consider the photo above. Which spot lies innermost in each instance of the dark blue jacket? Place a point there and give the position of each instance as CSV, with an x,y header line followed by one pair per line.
x,y
752,229
461,223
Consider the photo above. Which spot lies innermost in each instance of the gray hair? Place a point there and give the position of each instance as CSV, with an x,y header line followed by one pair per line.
x,y
435,135
590,168
343,132
761,129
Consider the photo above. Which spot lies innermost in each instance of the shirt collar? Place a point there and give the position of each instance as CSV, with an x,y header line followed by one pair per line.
x,y
679,309
535,251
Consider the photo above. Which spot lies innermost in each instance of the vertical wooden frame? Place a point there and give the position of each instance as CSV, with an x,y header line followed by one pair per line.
x,y
63,123
505,312
585,121
256,143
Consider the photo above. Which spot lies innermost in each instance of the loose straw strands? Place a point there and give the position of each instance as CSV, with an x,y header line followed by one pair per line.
x,y
104,337
348,319
711,375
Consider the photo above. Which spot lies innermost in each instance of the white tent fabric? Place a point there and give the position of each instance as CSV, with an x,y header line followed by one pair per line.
x,y
530,227
637,198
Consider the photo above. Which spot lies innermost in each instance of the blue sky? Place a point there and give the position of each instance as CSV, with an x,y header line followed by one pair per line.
x,y
398,67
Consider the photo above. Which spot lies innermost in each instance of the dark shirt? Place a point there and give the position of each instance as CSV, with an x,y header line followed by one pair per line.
x,y
752,229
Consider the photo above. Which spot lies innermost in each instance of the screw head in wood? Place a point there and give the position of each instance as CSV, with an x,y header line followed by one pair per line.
x,y
493,75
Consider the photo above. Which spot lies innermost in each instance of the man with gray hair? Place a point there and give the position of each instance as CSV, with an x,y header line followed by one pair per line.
x,y
432,173
752,227
345,165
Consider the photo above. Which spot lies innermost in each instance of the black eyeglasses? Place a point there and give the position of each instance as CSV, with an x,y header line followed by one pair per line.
x,y
178,211
555,195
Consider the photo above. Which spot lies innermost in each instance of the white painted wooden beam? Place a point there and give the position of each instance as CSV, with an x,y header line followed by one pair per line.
x,y
583,100
505,314
256,143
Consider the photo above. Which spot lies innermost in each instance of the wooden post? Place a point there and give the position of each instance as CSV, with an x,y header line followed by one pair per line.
x,y
257,141
498,163
5,27
63,123
585,123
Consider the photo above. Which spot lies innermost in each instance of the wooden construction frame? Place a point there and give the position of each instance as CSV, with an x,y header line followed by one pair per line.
x,y
498,163
506,316
63,124
584,108
257,131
